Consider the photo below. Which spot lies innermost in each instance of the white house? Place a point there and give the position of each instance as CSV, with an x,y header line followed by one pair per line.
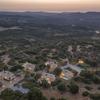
x,y
29,67
48,77
6,75
52,65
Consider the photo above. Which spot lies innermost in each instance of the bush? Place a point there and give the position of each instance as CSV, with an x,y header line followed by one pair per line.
x,y
86,81
98,88
36,94
45,84
73,88
56,82
52,98
61,99
85,93
61,87
96,79
95,96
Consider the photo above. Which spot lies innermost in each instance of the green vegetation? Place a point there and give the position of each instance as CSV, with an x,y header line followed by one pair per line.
x,y
39,38
73,88
61,87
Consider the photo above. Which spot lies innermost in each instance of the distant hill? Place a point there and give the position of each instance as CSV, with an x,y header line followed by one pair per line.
x,y
55,18
53,24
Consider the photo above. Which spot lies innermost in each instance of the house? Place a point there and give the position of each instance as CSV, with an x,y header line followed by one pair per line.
x,y
65,74
48,77
69,71
73,68
6,75
29,67
52,65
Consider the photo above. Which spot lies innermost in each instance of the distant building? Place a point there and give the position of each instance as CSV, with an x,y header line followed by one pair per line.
x,y
6,75
29,67
66,74
48,77
69,71
78,48
70,48
52,65
73,68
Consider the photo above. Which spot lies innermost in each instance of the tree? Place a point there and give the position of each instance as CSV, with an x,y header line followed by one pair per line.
x,y
9,94
62,98
95,96
61,87
36,94
96,79
15,68
73,88
85,93
52,98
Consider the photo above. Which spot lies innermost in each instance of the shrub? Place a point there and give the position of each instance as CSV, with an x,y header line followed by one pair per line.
x,y
85,93
73,88
95,96
61,87
52,98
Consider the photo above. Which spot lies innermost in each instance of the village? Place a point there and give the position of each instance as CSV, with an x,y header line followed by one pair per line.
x,y
9,79
49,69
66,71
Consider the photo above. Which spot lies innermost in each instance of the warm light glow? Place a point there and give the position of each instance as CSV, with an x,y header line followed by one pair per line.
x,y
62,75
50,5
81,62
56,1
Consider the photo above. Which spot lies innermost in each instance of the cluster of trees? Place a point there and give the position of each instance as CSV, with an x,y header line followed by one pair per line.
x,y
34,94
89,77
72,87
95,96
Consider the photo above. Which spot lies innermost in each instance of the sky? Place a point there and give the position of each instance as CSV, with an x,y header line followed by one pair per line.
x,y
50,5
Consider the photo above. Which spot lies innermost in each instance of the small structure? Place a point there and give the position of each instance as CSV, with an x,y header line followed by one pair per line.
x,y
52,65
66,74
70,49
69,71
73,68
29,67
6,75
20,89
78,48
48,77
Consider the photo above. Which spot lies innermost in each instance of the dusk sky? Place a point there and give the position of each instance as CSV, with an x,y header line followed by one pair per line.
x,y
50,5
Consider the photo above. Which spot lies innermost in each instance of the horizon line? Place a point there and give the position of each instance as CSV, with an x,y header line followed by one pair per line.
x,y
6,11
